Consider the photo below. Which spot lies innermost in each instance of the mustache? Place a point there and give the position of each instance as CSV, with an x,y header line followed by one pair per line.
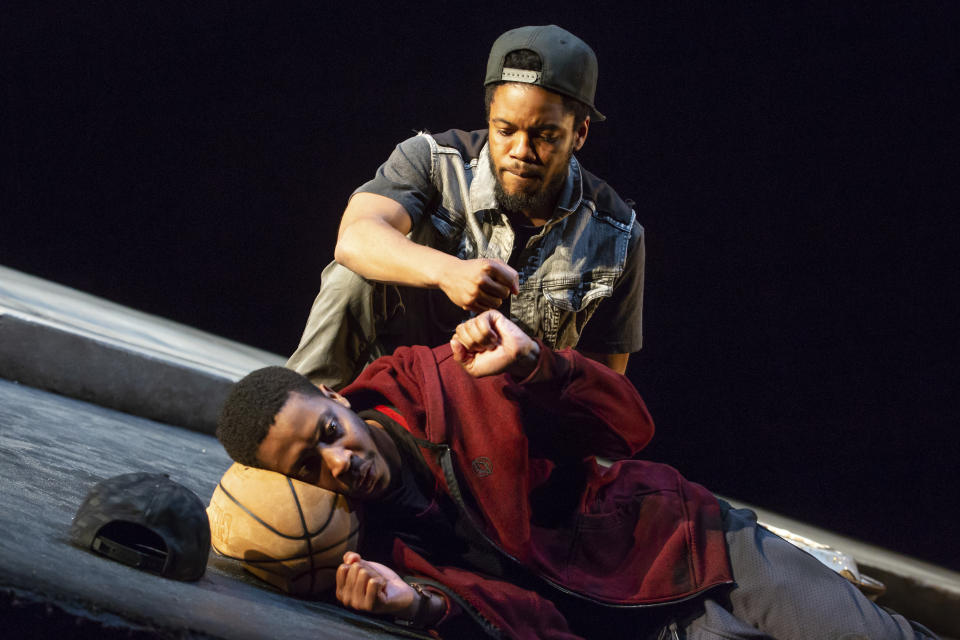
x,y
356,465
524,170
356,472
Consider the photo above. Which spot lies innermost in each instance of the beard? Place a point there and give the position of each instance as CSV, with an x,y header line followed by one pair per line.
x,y
541,201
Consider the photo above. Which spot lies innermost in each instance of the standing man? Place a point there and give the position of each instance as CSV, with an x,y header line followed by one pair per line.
x,y
503,218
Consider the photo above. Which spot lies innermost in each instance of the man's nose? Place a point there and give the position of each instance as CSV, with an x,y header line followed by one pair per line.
x,y
336,459
521,148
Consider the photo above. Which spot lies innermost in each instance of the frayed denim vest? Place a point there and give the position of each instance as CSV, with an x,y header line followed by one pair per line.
x,y
565,270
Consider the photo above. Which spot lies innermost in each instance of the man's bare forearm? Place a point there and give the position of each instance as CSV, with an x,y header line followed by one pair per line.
x,y
374,249
373,243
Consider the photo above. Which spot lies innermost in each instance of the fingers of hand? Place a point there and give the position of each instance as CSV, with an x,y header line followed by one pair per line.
x,y
478,334
341,581
521,346
462,336
491,287
490,284
482,332
358,586
460,353
480,302
346,584
486,294
506,329
374,587
505,275
487,325
472,298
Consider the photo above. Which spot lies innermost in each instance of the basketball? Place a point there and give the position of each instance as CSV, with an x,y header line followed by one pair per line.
x,y
288,533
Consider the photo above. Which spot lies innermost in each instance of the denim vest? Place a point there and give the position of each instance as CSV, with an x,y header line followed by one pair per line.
x,y
566,270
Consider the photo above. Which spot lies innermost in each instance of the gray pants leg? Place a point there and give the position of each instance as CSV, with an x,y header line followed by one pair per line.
x,y
340,338
787,594
354,321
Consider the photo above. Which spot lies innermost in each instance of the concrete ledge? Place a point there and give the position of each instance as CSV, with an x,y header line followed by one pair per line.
x,y
61,340
128,380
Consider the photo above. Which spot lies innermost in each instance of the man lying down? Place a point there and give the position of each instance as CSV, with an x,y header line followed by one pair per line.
x,y
485,514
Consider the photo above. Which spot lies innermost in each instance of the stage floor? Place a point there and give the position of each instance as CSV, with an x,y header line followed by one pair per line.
x,y
53,449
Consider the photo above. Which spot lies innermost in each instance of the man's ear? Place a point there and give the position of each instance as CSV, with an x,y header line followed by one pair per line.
x,y
580,135
333,395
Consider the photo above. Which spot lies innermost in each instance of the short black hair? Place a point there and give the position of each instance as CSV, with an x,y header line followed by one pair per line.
x,y
250,409
530,61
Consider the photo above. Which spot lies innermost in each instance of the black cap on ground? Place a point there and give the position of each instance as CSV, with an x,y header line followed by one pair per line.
x,y
148,521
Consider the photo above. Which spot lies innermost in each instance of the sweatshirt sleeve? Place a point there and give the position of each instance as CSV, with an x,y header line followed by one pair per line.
x,y
481,606
583,407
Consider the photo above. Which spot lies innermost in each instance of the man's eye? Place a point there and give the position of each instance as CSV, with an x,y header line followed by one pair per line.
x,y
311,468
304,472
504,132
330,431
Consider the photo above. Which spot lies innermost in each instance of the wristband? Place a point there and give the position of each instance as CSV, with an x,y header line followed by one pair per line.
x,y
423,608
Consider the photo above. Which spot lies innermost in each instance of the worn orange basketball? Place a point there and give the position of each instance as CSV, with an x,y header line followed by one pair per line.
x,y
290,534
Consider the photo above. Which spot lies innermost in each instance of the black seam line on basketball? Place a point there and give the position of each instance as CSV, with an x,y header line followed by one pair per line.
x,y
255,517
309,534
317,552
303,523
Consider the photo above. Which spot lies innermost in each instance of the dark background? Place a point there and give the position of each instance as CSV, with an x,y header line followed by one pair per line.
x,y
192,161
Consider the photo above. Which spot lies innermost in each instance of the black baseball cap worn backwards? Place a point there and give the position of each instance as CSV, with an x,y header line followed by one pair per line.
x,y
148,521
569,65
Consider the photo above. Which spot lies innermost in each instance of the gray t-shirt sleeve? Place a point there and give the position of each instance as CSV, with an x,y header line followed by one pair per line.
x,y
617,324
405,177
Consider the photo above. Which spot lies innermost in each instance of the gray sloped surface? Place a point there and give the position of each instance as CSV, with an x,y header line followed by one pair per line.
x,y
56,338
52,450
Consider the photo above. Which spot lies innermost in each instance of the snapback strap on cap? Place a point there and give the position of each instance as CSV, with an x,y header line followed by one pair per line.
x,y
153,560
510,74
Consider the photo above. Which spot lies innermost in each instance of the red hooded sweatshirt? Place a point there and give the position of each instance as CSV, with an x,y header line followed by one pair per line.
x,y
637,534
